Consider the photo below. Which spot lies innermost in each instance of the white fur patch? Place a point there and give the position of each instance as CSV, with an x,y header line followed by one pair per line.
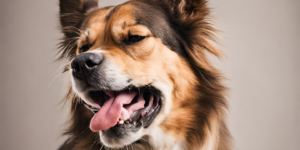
x,y
120,143
97,51
87,32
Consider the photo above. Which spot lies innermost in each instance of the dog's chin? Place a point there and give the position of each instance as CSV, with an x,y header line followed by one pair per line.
x,y
120,136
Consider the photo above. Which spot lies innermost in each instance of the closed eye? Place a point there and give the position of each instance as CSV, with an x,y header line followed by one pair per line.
x,y
134,39
84,48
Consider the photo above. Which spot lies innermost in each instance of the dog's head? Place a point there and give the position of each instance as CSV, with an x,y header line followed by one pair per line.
x,y
137,65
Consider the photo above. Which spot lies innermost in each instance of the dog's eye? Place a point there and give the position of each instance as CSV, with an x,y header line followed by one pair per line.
x,y
84,48
134,39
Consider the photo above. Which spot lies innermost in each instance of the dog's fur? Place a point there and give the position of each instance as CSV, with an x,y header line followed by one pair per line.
x,y
173,58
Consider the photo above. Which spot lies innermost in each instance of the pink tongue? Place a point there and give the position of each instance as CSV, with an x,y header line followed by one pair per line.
x,y
110,112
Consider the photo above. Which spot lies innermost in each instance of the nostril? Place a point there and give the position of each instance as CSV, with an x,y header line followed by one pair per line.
x,y
91,64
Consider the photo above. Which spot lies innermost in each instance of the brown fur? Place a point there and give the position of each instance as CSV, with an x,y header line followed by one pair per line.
x,y
198,96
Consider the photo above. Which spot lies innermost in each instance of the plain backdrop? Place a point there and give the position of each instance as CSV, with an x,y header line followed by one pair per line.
x,y
261,40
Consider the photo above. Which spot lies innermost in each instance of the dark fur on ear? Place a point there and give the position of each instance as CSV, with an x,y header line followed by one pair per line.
x,y
72,14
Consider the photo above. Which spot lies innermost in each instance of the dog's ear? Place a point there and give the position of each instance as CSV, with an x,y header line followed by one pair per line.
x,y
187,7
192,22
72,14
181,8
197,32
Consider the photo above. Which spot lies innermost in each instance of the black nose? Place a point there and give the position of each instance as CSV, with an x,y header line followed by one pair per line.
x,y
85,63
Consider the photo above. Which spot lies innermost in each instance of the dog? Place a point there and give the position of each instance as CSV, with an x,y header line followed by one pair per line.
x,y
140,77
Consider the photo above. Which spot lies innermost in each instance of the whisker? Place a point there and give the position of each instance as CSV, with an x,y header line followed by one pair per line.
x,y
147,142
53,80
64,65
71,27
101,146
71,43
66,14
65,47
70,48
131,146
94,144
72,38
79,134
76,102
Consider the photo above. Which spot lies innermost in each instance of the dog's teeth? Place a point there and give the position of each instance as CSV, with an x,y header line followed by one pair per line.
x,y
121,122
144,113
134,123
156,106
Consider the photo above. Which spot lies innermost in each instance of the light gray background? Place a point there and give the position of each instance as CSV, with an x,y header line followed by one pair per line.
x,y
261,40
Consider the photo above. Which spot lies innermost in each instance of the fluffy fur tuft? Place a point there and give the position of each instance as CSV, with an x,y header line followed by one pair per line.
x,y
72,14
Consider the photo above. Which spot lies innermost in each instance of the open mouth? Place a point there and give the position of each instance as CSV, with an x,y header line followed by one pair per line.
x,y
132,107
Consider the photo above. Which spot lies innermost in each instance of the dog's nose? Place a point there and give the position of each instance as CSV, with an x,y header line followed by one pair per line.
x,y
85,63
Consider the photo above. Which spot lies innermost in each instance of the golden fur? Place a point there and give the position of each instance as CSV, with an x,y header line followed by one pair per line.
x,y
198,104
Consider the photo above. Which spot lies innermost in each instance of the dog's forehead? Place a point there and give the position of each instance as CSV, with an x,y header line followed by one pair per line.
x,y
94,24
112,14
157,21
133,12
100,22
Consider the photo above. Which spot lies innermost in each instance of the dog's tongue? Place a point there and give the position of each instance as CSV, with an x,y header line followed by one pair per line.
x,y
110,112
